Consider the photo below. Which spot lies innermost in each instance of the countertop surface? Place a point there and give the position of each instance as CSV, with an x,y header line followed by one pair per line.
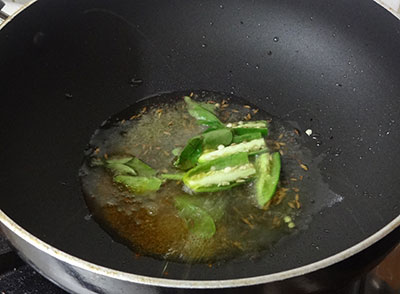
x,y
389,269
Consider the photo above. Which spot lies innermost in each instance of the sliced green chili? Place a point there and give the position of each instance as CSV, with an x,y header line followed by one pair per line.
x,y
190,154
220,174
254,145
241,128
261,151
246,137
268,171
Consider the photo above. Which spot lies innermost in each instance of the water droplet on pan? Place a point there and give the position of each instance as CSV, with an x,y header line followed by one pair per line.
x,y
68,96
38,38
135,82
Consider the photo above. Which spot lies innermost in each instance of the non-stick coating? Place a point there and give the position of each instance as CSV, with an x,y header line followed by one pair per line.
x,y
332,66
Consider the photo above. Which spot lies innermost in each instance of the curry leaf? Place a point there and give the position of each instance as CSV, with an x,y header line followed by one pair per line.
x,y
190,154
199,222
121,160
213,139
210,107
176,151
117,165
141,168
138,184
120,169
203,115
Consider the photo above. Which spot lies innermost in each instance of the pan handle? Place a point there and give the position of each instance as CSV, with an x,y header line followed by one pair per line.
x,y
3,15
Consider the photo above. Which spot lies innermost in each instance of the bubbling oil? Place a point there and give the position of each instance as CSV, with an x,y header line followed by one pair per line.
x,y
150,224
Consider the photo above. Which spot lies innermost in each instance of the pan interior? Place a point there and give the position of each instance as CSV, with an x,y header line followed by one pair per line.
x,y
150,224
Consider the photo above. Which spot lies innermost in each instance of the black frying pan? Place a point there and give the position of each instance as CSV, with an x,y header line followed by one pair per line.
x,y
332,66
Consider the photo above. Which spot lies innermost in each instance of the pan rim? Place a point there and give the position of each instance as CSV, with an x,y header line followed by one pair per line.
x,y
194,284
18,11
175,283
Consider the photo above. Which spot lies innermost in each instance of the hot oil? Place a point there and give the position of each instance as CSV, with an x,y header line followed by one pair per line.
x,y
150,223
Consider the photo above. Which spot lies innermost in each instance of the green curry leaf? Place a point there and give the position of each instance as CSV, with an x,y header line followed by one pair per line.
x,y
198,220
138,184
190,154
203,114
141,168
120,169
213,139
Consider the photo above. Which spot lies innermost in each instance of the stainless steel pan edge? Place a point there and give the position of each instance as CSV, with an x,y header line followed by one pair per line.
x,y
51,262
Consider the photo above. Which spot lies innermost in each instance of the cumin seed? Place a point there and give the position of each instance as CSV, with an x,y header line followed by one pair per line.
x,y
246,221
303,166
